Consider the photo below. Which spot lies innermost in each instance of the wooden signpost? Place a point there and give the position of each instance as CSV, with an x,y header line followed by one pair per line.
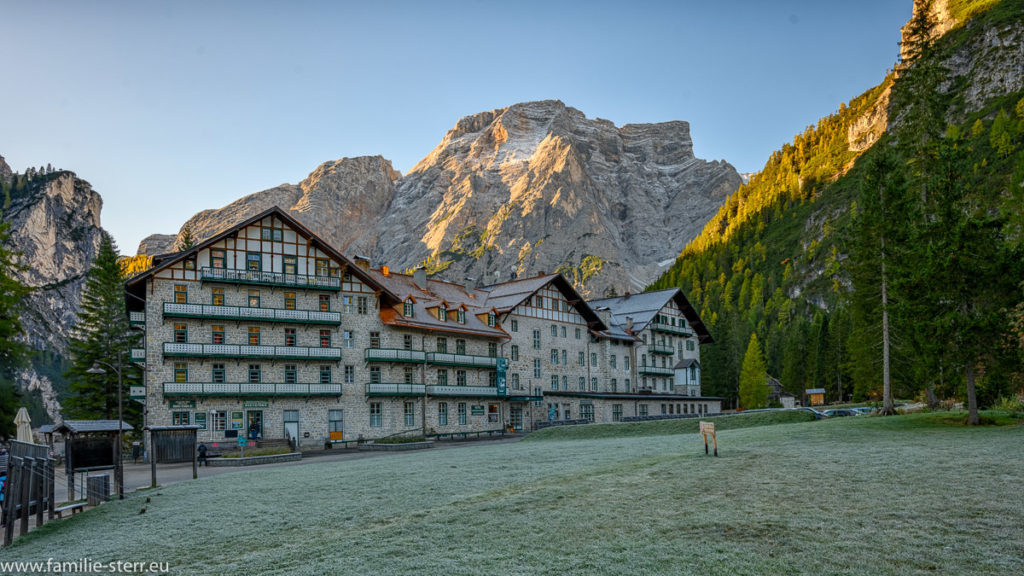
x,y
708,428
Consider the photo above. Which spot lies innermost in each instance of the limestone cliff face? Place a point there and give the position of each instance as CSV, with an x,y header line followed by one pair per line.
x,y
540,187
5,170
55,224
339,201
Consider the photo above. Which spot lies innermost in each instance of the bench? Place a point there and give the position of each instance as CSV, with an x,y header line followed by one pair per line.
x,y
73,508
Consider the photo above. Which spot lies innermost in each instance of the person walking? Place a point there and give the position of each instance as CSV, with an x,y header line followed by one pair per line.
x,y
202,455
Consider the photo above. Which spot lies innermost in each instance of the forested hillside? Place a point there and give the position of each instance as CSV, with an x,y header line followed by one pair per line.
x,y
795,255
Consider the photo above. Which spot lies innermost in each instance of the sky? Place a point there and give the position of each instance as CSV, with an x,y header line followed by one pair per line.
x,y
169,108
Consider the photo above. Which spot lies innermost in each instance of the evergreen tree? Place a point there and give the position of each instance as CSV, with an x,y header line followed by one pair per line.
x,y
12,351
185,240
102,334
753,377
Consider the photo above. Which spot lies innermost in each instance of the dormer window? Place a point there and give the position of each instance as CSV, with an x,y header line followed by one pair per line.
x,y
407,309
460,315
492,320
442,313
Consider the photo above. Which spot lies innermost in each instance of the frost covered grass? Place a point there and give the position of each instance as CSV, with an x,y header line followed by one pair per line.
x,y
898,495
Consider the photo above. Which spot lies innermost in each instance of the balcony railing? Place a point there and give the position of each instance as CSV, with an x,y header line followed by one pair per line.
x,y
670,329
660,349
393,355
236,351
393,389
233,276
445,359
656,370
136,318
466,391
138,354
174,310
249,389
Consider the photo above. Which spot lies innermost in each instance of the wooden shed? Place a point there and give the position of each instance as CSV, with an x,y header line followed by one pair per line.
x,y
815,396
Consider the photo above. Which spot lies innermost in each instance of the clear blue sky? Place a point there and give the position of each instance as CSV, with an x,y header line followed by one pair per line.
x,y
170,108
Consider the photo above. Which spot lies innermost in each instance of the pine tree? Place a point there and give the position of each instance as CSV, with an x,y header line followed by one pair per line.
x,y
185,240
102,334
753,377
12,351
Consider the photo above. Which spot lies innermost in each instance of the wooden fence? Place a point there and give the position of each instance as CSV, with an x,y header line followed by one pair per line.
x,y
29,488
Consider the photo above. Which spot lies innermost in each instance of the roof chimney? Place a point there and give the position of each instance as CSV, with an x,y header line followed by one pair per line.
x,y
629,322
363,262
419,276
626,297
470,283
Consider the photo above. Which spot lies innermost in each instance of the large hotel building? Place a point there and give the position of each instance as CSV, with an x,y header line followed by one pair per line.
x,y
266,330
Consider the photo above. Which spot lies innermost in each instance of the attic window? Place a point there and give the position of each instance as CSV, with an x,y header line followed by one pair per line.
x,y
442,313
190,263
460,315
407,309
492,321
272,234
538,302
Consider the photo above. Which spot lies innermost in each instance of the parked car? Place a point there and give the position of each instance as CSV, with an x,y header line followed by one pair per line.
x,y
817,414
864,410
837,412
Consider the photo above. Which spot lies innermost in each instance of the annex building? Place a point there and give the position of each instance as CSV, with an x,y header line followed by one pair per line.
x,y
266,331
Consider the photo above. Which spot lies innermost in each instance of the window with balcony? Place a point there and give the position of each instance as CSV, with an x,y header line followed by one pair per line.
x,y
180,372
442,413
253,261
181,333
289,300
291,375
289,336
374,339
375,375
407,342
492,350
515,352
462,413
180,294
442,345
218,258
217,334
291,265
217,296
350,374
375,415
408,309
325,374
442,377
460,377
255,374
325,338
217,373
460,346
536,339
362,304
254,335
321,266
254,298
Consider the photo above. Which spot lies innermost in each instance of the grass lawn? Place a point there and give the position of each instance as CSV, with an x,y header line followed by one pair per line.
x,y
912,494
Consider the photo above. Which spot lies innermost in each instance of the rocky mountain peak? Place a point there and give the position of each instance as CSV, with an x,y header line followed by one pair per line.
x,y
5,170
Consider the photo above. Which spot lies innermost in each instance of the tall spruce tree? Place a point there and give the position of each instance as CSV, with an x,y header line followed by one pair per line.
x,y
13,352
101,334
753,377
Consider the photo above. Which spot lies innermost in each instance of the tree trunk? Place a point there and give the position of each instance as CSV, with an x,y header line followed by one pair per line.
x,y
972,396
933,401
887,405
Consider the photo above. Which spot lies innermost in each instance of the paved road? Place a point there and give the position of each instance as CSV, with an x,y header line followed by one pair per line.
x,y
139,475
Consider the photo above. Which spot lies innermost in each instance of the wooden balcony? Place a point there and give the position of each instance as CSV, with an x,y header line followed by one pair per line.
x,y
178,349
232,276
210,312
262,389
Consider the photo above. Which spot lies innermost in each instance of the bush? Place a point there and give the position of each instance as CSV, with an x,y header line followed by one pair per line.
x,y
1009,404
399,440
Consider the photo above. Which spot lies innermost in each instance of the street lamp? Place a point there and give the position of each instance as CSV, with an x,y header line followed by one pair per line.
x,y
96,369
